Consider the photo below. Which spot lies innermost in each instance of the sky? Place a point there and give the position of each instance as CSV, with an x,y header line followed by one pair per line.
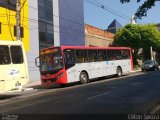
x,y
101,18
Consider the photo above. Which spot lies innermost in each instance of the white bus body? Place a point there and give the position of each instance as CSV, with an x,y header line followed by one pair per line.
x,y
98,69
13,66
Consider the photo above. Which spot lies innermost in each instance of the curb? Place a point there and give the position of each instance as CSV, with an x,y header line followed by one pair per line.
x,y
34,85
155,110
135,71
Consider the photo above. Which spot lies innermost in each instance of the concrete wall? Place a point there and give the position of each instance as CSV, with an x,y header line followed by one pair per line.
x,y
93,40
34,42
56,23
71,22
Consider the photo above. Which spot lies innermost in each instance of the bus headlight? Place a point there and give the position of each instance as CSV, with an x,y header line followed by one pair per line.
x,y
60,75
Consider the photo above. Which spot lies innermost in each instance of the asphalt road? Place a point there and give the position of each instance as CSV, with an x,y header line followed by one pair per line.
x,y
138,94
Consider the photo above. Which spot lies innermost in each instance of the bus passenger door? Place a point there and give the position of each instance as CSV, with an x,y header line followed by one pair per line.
x,y
111,62
70,65
19,67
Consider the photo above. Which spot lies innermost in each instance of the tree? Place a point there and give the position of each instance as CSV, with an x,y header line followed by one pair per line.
x,y
142,10
138,36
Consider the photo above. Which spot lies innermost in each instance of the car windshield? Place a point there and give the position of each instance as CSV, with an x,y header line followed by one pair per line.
x,y
148,62
51,61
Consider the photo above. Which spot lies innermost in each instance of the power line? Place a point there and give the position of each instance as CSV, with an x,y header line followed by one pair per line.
x,y
22,5
64,27
112,9
9,26
58,16
58,26
107,9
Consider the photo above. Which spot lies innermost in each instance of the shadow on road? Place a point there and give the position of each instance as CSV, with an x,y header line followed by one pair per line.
x,y
4,97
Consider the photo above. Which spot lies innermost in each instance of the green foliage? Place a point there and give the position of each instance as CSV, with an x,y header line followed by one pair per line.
x,y
136,67
142,10
138,36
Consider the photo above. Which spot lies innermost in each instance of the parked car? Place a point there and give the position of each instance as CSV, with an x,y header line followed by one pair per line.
x,y
150,65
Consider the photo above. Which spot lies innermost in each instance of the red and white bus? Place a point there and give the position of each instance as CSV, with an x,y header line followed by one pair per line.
x,y
67,64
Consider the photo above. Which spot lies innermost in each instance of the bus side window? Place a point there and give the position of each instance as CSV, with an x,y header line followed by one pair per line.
x,y
4,55
111,55
16,54
118,55
128,54
81,56
92,55
102,55
125,54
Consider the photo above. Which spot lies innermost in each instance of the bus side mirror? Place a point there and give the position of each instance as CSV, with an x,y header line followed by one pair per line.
x,y
37,62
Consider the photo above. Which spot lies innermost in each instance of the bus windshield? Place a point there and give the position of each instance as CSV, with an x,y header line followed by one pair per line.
x,y
51,60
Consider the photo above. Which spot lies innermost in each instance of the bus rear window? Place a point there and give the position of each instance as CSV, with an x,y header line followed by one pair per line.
x,y
4,55
16,54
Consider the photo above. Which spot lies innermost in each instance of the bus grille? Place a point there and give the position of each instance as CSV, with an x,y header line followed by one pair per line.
x,y
49,80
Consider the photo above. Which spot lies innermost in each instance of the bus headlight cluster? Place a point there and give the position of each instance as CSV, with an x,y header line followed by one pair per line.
x,y
60,75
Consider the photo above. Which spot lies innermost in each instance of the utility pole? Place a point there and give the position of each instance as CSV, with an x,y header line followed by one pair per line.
x,y
133,21
18,20
151,51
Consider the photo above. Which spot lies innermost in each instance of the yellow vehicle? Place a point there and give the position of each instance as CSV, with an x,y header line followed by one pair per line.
x,y
13,66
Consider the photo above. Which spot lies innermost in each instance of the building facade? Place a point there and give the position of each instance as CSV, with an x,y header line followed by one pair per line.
x,y
44,23
97,37
114,26
8,22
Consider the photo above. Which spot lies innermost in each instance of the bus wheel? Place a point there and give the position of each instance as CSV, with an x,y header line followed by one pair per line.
x,y
119,72
83,78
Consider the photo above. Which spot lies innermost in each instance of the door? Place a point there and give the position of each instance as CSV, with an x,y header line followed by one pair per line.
x,y
93,63
5,68
18,65
70,65
111,64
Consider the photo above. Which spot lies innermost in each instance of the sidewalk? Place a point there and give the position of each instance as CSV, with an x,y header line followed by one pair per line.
x,y
33,84
136,70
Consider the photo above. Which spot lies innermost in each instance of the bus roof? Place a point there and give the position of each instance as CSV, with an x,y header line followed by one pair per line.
x,y
7,42
86,47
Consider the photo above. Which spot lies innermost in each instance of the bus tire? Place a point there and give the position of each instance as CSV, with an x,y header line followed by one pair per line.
x,y
83,78
119,72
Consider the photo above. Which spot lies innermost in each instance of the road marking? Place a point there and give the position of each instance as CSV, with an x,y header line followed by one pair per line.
x,y
113,87
137,83
99,95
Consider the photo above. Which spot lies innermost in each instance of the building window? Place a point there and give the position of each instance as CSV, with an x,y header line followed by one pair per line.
x,y
45,21
9,4
22,32
45,10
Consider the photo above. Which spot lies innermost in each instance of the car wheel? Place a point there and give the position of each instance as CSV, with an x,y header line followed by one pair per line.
x,y
83,78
